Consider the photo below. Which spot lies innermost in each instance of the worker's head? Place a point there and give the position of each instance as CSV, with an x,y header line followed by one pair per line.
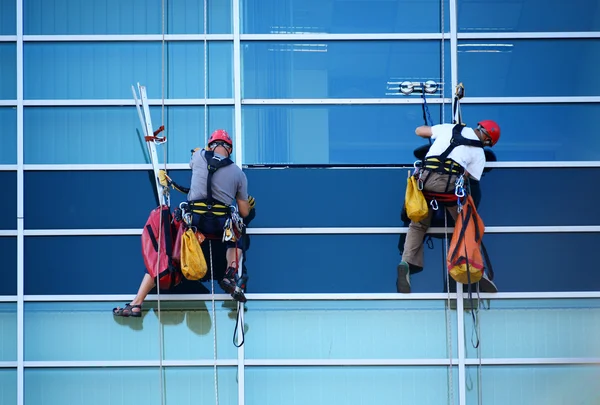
x,y
488,131
220,142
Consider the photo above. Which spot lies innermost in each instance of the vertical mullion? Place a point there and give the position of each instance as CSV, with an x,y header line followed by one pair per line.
x,y
20,196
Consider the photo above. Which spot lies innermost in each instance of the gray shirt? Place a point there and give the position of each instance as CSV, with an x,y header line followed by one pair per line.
x,y
228,183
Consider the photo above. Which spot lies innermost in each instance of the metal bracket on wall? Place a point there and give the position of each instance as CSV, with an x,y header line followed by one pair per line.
x,y
428,87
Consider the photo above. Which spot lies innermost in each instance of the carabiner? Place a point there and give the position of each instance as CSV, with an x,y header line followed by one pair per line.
x,y
434,205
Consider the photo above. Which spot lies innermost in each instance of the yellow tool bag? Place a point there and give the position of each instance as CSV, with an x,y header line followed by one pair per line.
x,y
414,201
193,263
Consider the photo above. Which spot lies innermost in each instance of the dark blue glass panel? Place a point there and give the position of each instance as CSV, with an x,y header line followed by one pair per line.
x,y
101,70
8,202
374,197
8,123
8,71
541,132
527,68
8,17
76,17
339,69
336,16
338,134
8,266
106,135
528,16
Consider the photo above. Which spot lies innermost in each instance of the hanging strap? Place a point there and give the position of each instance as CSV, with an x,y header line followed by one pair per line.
x,y
214,163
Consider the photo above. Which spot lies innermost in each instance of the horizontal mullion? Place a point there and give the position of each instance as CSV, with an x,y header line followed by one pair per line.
x,y
128,363
126,102
532,361
326,230
8,364
114,38
8,103
8,232
530,100
347,362
341,37
527,35
8,168
8,298
8,38
400,99
314,297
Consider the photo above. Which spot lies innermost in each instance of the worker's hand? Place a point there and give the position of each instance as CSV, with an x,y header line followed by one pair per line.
x,y
251,202
163,178
194,150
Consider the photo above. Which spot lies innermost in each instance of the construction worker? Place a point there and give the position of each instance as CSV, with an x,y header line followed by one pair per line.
x,y
216,185
456,154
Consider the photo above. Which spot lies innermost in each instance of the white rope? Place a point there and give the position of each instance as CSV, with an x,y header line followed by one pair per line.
x,y
448,321
443,67
214,322
205,72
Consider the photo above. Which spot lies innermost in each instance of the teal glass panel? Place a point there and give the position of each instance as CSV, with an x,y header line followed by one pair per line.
x,y
347,330
8,123
339,17
8,386
107,70
528,16
8,71
102,386
339,69
351,385
534,384
113,135
538,328
76,17
8,333
94,334
8,17
513,67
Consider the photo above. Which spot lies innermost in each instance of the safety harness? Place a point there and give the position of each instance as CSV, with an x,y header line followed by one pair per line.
x,y
208,205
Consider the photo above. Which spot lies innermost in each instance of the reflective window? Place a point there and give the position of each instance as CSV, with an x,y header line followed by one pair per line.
x,y
8,71
73,17
374,335
8,17
542,132
46,325
523,68
112,135
8,123
333,134
108,70
534,384
8,386
8,343
135,385
8,206
528,16
339,69
566,328
338,16
8,269
348,384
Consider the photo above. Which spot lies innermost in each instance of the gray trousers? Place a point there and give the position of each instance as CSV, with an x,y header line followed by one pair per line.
x,y
413,246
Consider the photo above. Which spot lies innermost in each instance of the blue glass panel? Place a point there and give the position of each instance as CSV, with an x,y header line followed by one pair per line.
x,y
76,17
137,385
528,16
8,386
8,123
542,132
336,16
8,266
338,69
8,17
8,204
101,70
86,135
337,134
8,331
523,68
347,330
535,384
117,258
348,385
8,71
543,328
95,332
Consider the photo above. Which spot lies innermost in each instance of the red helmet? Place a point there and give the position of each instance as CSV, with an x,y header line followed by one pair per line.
x,y
220,135
491,129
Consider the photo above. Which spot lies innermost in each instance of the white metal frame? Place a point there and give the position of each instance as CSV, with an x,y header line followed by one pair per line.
x,y
237,102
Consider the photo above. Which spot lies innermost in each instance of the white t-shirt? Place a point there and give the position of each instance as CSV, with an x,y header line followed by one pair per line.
x,y
471,158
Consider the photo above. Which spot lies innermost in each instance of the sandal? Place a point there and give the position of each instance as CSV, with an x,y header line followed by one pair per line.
x,y
128,311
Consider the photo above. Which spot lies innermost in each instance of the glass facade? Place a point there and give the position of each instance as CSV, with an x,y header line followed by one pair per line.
x,y
309,91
